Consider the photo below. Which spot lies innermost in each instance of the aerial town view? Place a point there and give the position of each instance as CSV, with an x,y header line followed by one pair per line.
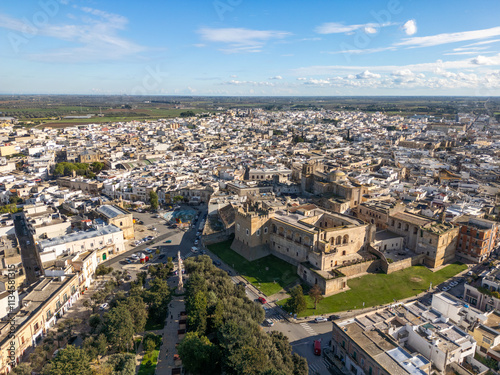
x,y
249,187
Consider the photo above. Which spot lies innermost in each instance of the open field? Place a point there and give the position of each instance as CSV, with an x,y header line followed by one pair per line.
x,y
379,289
268,274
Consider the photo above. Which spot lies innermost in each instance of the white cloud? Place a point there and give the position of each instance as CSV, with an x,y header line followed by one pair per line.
x,y
483,60
361,51
402,73
276,77
367,75
240,39
410,27
247,83
435,40
97,37
339,28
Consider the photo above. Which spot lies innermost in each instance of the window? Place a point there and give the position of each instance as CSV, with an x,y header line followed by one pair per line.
x,y
49,314
248,232
265,230
73,289
370,371
258,232
486,340
354,356
65,297
237,227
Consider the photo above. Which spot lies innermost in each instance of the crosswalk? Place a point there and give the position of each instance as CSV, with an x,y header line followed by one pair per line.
x,y
319,367
275,317
308,328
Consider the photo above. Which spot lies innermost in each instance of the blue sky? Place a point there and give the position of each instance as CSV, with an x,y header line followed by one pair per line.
x,y
244,47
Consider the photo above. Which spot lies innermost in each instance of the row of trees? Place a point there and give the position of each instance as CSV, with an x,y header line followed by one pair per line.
x,y
224,329
81,169
112,335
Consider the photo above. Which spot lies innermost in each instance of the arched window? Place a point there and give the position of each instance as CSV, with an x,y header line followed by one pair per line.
x,y
339,240
346,239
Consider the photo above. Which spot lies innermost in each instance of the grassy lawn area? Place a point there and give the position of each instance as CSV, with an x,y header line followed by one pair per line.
x,y
149,370
268,274
379,289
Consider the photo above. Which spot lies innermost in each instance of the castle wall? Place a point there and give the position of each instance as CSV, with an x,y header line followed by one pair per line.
x,y
372,266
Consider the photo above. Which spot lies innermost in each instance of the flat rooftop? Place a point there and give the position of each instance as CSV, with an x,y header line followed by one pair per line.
x,y
111,211
78,236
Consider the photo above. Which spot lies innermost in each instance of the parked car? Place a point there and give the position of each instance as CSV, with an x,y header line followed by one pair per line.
x,y
104,306
262,300
194,249
168,241
320,319
216,262
333,317
148,250
161,256
196,242
134,256
229,273
128,277
268,322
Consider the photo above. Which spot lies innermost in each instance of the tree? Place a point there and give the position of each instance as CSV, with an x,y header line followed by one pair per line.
x,y
122,363
178,198
198,354
297,302
120,328
69,360
299,365
138,311
316,295
102,270
151,341
24,368
153,200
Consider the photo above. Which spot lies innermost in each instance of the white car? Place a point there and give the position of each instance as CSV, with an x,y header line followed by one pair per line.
x,y
196,242
320,319
135,257
194,249
148,250
104,306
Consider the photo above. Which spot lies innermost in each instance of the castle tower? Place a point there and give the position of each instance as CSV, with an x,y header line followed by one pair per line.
x,y
252,229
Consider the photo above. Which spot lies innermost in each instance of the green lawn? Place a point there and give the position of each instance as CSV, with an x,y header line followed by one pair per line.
x,y
268,274
379,289
149,370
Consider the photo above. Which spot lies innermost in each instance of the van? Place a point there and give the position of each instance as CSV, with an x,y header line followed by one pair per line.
x,y
317,347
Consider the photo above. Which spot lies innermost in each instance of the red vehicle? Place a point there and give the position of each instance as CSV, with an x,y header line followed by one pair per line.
x,y
262,300
317,347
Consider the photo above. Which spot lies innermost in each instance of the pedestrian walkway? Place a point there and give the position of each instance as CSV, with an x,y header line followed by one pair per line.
x,y
320,367
308,328
170,336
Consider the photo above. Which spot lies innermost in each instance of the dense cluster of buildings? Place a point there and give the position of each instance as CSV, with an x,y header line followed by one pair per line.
x,y
337,194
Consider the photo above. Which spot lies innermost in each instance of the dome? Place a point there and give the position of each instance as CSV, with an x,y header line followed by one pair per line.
x,y
336,175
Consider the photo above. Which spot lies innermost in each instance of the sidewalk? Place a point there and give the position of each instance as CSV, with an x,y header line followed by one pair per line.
x,y
170,338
